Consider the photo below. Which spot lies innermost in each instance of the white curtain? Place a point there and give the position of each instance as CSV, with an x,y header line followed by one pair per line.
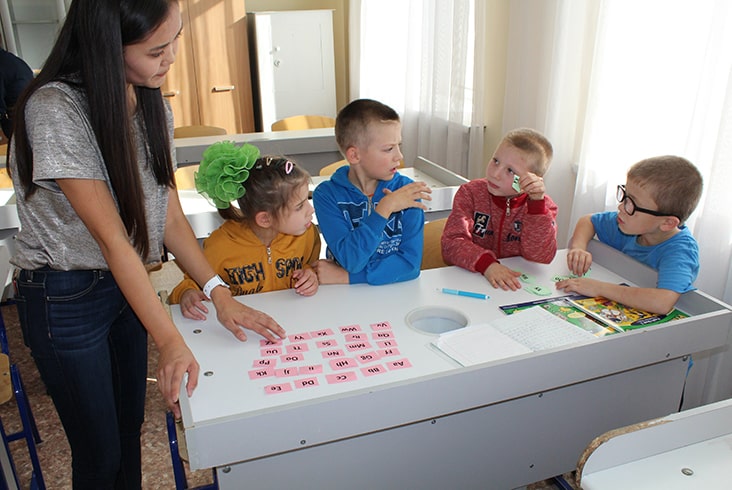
x,y
418,57
550,59
615,81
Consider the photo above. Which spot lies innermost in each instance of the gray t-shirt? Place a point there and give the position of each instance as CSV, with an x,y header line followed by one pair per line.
x,y
64,146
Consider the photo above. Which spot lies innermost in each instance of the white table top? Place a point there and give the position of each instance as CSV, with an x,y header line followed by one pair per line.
x,y
231,399
227,390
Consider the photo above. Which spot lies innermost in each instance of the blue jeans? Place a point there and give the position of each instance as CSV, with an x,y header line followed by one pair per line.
x,y
91,351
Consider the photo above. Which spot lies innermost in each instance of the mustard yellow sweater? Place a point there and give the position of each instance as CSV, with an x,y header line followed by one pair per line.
x,y
247,265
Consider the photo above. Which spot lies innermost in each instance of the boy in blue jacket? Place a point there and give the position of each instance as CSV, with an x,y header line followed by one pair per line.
x,y
371,217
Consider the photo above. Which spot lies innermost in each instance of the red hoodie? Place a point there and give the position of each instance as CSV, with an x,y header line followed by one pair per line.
x,y
483,228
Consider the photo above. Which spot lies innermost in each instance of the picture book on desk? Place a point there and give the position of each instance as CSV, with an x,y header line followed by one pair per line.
x,y
621,317
562,308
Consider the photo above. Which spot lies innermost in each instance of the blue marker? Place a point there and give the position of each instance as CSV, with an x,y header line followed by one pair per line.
x,y
469,294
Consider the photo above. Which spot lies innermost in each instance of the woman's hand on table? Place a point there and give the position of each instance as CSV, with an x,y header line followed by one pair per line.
x,y
236,316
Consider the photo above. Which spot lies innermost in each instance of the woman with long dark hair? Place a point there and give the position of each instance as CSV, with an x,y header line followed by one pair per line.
x,y
92,166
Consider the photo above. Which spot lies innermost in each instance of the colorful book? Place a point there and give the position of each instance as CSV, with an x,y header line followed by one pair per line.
x,y
564,309
620,317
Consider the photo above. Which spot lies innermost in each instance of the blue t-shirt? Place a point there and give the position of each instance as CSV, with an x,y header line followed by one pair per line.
x,y
676,259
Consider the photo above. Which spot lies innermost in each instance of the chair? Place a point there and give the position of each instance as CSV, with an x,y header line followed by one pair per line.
x,y
196,131
29,430
184,176
303,122
179,473
328,170
5,182
432,250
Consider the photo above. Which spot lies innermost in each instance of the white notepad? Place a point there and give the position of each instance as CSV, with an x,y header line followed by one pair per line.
x,y
524,331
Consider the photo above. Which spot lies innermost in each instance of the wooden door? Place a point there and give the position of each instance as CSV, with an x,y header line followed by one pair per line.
x,y
221,63
180,87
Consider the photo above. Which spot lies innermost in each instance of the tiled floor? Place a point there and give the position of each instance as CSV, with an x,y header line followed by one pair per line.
x,y
54,450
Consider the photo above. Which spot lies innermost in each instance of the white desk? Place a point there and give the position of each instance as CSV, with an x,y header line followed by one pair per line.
x,y
434,425
686,450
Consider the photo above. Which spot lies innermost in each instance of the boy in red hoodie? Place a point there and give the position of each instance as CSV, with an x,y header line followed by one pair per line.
x,y
505,214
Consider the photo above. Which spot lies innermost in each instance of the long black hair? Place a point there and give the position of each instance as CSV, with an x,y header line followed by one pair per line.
x,y
89,54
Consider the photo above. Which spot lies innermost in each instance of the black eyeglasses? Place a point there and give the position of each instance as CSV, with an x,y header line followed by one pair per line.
x,y
631,207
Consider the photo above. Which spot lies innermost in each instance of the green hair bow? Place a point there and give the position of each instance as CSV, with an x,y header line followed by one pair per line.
x,y
223,170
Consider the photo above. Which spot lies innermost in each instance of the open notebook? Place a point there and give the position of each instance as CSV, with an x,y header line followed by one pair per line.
x,y
525,331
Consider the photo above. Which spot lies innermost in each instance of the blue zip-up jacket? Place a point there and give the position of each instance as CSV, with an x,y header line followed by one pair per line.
x,y
372,249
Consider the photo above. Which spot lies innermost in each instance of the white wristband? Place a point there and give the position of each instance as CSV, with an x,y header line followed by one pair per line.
x,y
212,283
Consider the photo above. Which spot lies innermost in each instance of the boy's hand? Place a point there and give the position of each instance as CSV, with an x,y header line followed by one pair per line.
x,y
581,285
305,281
502,277
533,185
329,272
192,304
403,198
579,261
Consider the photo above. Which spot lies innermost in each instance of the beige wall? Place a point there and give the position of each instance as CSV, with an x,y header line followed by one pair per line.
x,y
340,33
496,42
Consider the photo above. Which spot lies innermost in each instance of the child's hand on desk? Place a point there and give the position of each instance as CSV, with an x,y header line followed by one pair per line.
x,y
502,277
192,306
581,285
579,261
329,272
234,315
305,281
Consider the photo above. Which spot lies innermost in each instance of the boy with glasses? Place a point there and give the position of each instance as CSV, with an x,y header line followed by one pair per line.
x,y
659,195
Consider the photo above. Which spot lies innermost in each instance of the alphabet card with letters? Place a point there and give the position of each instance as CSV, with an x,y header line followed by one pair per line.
x,y
343,355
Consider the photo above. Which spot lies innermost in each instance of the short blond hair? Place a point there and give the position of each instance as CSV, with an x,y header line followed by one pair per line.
x,y
534,143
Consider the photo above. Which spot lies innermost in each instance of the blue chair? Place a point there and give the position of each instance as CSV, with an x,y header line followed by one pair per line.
x,y
29,430
179,472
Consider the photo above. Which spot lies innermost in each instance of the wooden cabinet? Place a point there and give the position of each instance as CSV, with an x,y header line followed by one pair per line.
x,y
209,83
